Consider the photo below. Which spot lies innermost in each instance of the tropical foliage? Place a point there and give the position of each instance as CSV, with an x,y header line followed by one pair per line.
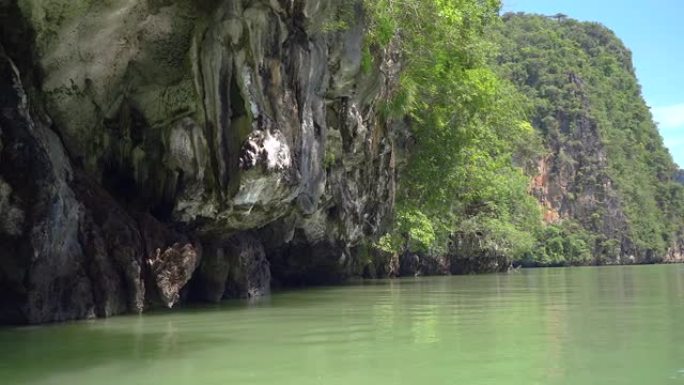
x,y
467,125
486,97
576,73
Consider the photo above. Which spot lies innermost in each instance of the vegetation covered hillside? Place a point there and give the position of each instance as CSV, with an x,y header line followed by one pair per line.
x,y
503,109
463,203
606,172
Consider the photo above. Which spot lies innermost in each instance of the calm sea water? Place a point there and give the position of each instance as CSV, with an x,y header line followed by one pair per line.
x,y
608,325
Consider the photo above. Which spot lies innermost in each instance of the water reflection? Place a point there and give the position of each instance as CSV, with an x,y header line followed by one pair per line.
x,y
618,325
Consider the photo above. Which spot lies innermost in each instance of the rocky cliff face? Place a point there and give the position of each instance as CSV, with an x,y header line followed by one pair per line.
x,y
573,182
606,168
157,151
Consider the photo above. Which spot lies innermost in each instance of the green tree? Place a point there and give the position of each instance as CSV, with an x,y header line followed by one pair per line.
x,y
468,126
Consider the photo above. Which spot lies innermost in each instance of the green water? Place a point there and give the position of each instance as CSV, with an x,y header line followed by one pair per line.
x,y
610,325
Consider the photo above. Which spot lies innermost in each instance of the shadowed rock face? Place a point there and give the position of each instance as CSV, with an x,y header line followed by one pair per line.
x,y
168,138
235,268
41,278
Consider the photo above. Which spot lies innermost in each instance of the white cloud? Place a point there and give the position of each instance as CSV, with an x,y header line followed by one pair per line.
x,y
669,117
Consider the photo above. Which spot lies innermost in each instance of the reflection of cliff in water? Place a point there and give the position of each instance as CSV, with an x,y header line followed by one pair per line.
x,y
132,342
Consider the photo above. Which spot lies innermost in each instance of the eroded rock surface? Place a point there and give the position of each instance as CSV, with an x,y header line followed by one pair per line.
x,y
237,267
184,149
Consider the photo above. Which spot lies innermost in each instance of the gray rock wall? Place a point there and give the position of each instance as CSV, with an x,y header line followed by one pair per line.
x,y
160,151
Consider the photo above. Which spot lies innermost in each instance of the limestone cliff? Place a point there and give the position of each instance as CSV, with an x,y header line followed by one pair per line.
x,y
606,173
155,151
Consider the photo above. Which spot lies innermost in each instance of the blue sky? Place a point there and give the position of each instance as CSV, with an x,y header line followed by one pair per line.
x,y
654,31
